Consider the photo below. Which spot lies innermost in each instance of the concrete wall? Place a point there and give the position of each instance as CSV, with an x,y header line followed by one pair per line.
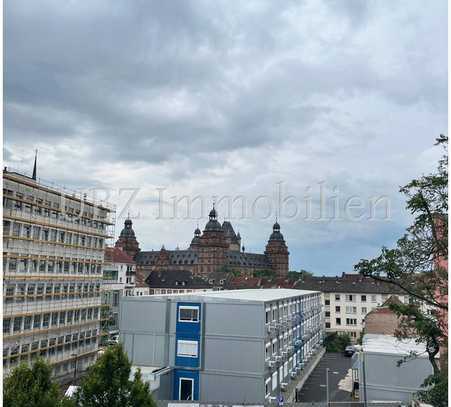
x,y
385,380
143,328
234,352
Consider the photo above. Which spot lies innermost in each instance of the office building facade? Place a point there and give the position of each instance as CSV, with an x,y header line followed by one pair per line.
x,y
53,253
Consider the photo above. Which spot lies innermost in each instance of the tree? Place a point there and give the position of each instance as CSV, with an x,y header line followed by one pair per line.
x,y
31,386
418,265
107,383
336,342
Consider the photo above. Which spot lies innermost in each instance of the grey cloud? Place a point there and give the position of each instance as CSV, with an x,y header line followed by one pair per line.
x,y
212,97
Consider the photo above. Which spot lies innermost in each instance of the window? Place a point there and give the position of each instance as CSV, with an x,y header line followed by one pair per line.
x,y
373,298
338,321
274,381
27,323
327,302
351,310
337,308
327,314
327,324
187,349
351,321
17,324
37,322
267,387
363,298
6,325
186,389
349,297
46,321
364,310
188,314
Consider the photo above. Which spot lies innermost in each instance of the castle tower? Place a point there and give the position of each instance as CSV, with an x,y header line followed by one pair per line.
x,y
212,247
230,236
127,239
196,240
277,252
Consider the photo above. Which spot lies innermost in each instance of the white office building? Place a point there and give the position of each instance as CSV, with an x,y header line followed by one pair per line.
x,y
230,346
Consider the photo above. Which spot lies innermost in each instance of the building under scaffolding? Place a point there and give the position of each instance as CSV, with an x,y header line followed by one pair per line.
x,y
53,254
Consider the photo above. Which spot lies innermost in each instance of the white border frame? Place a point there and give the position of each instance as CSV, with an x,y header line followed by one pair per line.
x,y
180,387
197,307
187,356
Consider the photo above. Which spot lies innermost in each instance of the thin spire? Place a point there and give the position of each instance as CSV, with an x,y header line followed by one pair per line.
x,y
34,166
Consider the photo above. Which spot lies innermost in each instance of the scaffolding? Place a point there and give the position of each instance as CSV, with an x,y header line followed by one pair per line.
x,y
53,253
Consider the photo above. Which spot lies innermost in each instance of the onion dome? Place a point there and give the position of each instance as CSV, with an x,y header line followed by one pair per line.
x,y
196,238
127,231
276,235
213,224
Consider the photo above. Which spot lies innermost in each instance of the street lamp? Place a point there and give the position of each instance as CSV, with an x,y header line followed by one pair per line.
x,y
327,385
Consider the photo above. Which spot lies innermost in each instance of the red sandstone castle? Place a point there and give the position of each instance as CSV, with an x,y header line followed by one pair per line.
x,y
216,248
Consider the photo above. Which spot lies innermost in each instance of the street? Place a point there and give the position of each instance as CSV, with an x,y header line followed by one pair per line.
x,y
314,389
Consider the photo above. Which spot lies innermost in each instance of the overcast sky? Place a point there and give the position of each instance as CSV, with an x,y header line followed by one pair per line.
x,y
251,100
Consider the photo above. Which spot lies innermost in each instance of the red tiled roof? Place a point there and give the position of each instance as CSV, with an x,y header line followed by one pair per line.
x,y
117,255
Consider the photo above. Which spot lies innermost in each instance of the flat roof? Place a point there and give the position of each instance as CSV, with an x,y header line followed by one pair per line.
x,y
388,344
257,294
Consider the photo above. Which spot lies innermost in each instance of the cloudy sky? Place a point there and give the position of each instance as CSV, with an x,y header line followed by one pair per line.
x,y
311,111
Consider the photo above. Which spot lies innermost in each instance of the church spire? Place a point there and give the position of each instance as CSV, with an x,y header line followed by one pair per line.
x,y
34,166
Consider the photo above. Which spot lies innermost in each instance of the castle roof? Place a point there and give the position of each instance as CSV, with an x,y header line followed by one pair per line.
x,y
117,255
229,232
180,279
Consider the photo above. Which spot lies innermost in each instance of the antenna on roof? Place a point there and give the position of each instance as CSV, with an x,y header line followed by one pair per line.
x,y
34,166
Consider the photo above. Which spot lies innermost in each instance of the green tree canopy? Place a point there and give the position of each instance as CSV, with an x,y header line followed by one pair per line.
x,y
107,383
418,265
31,386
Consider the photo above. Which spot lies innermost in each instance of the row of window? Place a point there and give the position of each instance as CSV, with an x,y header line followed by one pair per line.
x,y
45,234
281,375
51,342
349,322
353,298
276,346
276,313
349,310
51,210
49,320
29,292
13,265
171,291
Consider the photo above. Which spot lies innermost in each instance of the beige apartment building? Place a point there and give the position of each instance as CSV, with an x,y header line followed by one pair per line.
x,y
348,299
53,254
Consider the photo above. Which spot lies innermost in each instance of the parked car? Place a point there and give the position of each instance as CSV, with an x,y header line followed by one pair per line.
x,y
349,350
